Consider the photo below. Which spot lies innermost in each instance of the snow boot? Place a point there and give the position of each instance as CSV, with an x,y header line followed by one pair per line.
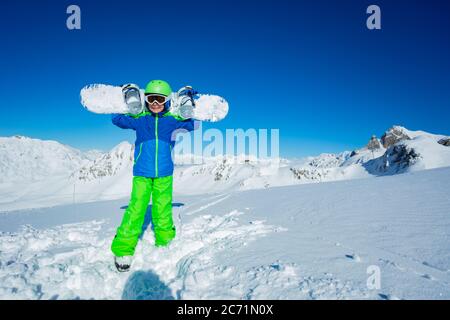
x,y
123,264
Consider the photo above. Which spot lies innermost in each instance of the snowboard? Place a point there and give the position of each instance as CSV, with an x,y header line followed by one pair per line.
x,y
129,99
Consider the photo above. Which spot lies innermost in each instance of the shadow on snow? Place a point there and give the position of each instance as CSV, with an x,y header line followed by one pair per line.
x,y
146,285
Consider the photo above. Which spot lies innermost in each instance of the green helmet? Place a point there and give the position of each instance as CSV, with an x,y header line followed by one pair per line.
x,y
158,87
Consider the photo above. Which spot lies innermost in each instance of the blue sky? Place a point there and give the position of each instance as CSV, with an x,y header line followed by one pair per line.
x,y
309,68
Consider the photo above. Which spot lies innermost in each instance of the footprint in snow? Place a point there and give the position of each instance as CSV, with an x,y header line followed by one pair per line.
x,y
427,276
388,297
354,257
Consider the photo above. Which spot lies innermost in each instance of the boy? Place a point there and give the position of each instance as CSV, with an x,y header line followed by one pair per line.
x,y
152,172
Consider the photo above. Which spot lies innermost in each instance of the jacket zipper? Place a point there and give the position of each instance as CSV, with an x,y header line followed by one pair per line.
x,y
156,135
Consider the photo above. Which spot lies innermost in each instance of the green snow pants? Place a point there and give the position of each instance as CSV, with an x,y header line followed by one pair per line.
x,y
128,233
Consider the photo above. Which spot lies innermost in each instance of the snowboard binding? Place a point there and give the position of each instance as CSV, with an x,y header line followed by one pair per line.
x,y
132,97
185,102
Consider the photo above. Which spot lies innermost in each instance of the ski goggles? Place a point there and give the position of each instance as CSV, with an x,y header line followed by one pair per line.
x,y
158,98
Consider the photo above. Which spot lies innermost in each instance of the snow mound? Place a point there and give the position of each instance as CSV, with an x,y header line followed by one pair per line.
x,y
74,262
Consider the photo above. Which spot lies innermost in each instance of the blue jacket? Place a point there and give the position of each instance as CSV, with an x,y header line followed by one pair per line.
x,y
155,139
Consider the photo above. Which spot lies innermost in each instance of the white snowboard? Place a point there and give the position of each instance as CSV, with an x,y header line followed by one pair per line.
x,y
106,99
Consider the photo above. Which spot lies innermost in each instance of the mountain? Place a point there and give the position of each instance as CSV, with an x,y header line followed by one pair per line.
x,y
409,151
93,154
48,173
107,164
23,158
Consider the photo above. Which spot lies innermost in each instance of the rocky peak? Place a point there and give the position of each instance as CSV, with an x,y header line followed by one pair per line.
x,y
394,135
445,142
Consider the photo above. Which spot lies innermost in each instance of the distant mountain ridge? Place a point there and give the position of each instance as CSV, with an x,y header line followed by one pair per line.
x,y
103,175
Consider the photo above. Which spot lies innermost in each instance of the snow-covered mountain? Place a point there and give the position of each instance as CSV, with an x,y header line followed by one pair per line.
x,y
410,151
398,151
23,158
93,154
108,164
48,171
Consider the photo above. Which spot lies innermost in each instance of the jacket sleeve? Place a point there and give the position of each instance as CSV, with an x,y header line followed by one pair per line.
x,y
189,125
124,121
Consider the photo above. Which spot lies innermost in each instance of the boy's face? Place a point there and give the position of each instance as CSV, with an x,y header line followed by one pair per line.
x,y
155,107
156,102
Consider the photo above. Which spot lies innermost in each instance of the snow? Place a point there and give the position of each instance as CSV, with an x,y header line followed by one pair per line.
x,y
313,241
93,98
23,158
438,155
217,108
247,228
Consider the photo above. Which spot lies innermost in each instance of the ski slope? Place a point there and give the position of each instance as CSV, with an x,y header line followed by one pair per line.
x,y
308,241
